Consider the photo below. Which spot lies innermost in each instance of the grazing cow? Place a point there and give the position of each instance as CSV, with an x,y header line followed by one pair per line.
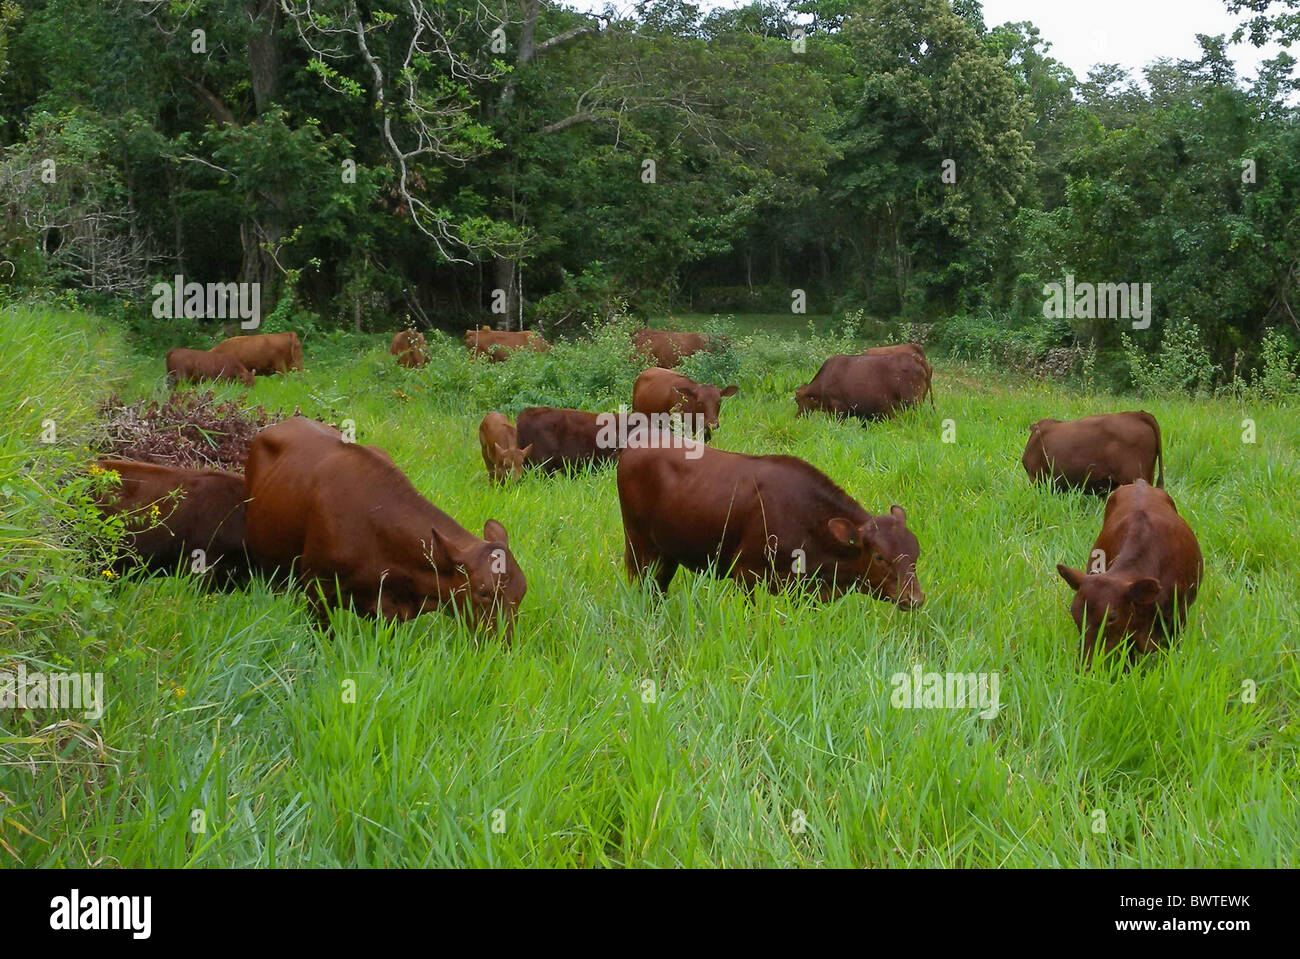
x,y
359,532
410,349
1096,453
191,366
560,440
497,345
499,442
869,387
907,349
265,353
169,512
658,390
667,349
1144,572
769,519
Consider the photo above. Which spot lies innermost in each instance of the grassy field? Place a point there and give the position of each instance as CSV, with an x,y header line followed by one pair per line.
x,y
702,729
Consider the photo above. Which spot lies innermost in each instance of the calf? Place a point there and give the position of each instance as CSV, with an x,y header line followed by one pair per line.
x,y
191,366
1097,453
169,512
410,349
561,440
658,390
769,519
264,353
870,387
1145,570
497,345
359,532
499,441
667,349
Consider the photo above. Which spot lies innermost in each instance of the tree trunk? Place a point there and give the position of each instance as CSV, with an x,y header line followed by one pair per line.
x,y
505,270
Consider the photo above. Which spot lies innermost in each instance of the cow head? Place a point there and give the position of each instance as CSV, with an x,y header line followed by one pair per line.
x,y
487,584
701,400
881,555
804,400
508,463
1112,607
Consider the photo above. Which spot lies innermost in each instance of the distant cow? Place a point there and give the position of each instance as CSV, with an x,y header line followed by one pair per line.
x,y
769,519
658,390
497,345
169,512
410,349
907,349
869,387
1144,571
265,353
1097,453
499,442
666,348
345,514
560,439
191,366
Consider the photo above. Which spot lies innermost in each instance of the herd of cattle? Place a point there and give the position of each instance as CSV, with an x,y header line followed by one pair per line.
x,y
350,524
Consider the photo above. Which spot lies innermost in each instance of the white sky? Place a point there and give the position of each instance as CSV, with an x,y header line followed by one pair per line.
x,y
1082,33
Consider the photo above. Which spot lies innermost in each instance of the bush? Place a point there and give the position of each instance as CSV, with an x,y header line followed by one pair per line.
x,y
1181,364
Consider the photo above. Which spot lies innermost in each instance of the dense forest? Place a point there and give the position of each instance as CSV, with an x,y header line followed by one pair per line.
x,y
455,162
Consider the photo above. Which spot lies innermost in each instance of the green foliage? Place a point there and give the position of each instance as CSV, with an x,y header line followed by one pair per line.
x,y
1181,364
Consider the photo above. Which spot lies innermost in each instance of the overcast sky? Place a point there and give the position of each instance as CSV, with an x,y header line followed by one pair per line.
x,y
1082,33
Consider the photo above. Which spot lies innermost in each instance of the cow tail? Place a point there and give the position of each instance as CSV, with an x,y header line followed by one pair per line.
x,y
1160,451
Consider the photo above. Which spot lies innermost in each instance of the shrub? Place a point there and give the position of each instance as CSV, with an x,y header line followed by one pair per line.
x,y
1180,365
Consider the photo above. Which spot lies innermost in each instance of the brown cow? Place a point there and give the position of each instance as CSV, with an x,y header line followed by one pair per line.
x,y
359,532
410,348
907,349
497,345
562,440
499,441
869,387
265,353
170,512
666,348
1148,570
1096,453
191,366
770,519
658,390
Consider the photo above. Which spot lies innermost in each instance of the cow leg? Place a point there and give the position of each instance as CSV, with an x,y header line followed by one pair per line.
x,y
641,559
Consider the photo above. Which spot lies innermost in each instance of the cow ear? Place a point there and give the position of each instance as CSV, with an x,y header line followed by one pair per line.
x,y
494,532
898,513
1143,591
843,530
441,549
526,450
1071,576
731,391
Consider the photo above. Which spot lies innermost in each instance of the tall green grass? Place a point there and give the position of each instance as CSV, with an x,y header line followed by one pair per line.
x,y
703,728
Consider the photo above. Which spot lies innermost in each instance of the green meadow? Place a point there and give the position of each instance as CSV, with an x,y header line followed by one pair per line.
x,y
708,727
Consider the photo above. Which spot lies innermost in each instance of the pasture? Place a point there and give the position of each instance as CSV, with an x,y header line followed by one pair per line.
x,y
705,728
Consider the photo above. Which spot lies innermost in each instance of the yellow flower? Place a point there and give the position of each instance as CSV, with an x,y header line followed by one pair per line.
x,y
109,574
180,691
96,471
